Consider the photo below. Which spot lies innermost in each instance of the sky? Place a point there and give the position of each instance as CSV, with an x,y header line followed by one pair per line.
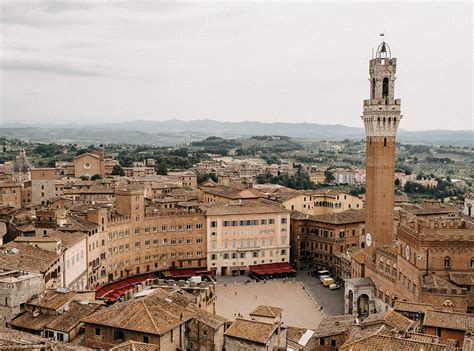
x,y
114,61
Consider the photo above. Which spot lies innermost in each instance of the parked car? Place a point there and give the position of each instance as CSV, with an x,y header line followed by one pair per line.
x,y
334,286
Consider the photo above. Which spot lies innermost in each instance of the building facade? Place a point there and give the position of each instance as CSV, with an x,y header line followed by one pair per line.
x,y
242,234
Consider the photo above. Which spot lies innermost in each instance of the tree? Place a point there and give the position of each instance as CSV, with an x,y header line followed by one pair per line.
x,y
162,168
328,176
213,177
96,177
118,170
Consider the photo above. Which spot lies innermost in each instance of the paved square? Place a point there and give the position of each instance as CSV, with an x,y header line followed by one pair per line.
x,y
300,310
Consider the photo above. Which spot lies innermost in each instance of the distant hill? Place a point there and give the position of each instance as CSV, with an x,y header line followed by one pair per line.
x,y
172,132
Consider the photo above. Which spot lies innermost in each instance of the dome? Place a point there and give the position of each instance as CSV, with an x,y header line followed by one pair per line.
x,y
383,51
21,165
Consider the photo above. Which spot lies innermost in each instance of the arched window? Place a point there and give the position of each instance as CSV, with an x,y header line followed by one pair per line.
x,y
372,94
447,262
384,141
385,87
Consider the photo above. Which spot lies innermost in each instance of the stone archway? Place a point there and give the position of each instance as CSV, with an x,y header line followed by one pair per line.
x,y
363,305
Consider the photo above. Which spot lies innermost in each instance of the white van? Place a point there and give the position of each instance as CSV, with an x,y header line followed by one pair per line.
x,y
195,279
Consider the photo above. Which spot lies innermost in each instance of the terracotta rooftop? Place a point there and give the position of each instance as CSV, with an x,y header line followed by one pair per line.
x,y
244,207
258,332
334,325
17,340
462,278
52,299
449,320
68,320
232,193
301,339
155,313
135,346
435,281
410,306
390,318
28,258
379,342
345,217
26,321
267,311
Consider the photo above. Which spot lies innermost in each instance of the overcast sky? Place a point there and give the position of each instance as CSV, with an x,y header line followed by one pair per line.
x,y
260,61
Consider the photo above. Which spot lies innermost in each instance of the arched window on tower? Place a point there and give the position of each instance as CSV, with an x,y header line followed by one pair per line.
x,y
385,88
372,94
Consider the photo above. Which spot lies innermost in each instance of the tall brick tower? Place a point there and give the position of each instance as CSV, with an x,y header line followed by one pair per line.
x,y
381,118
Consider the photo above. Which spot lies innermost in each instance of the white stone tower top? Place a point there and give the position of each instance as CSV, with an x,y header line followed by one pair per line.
x,y
382,111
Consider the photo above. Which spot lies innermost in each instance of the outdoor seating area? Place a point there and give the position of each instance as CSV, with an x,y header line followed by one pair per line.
x,y
272,270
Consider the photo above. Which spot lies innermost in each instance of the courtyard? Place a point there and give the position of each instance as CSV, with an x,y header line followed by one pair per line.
x,y
299,307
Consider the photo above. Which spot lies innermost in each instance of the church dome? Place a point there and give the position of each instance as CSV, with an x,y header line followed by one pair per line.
x,y
21,165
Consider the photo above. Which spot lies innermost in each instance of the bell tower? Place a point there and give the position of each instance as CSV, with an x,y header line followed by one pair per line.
x,y
381,116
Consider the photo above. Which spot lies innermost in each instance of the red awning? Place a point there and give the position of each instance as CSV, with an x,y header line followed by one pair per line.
x,y
113,291
272,268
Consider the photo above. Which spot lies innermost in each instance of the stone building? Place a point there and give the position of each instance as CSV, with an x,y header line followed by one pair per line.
x,y
315,240
56,314
43,185
16,288
334,201
169,319
10,194
245,233
252,335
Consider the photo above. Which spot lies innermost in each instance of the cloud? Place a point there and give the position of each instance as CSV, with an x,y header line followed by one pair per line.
x,y
63,69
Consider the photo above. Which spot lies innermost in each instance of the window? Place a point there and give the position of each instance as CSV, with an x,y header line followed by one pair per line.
x,y
146,339
321,341
118,335
97,331
213,224
472,262
447,262
213,257
385,87
333,343
283,220
271,221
